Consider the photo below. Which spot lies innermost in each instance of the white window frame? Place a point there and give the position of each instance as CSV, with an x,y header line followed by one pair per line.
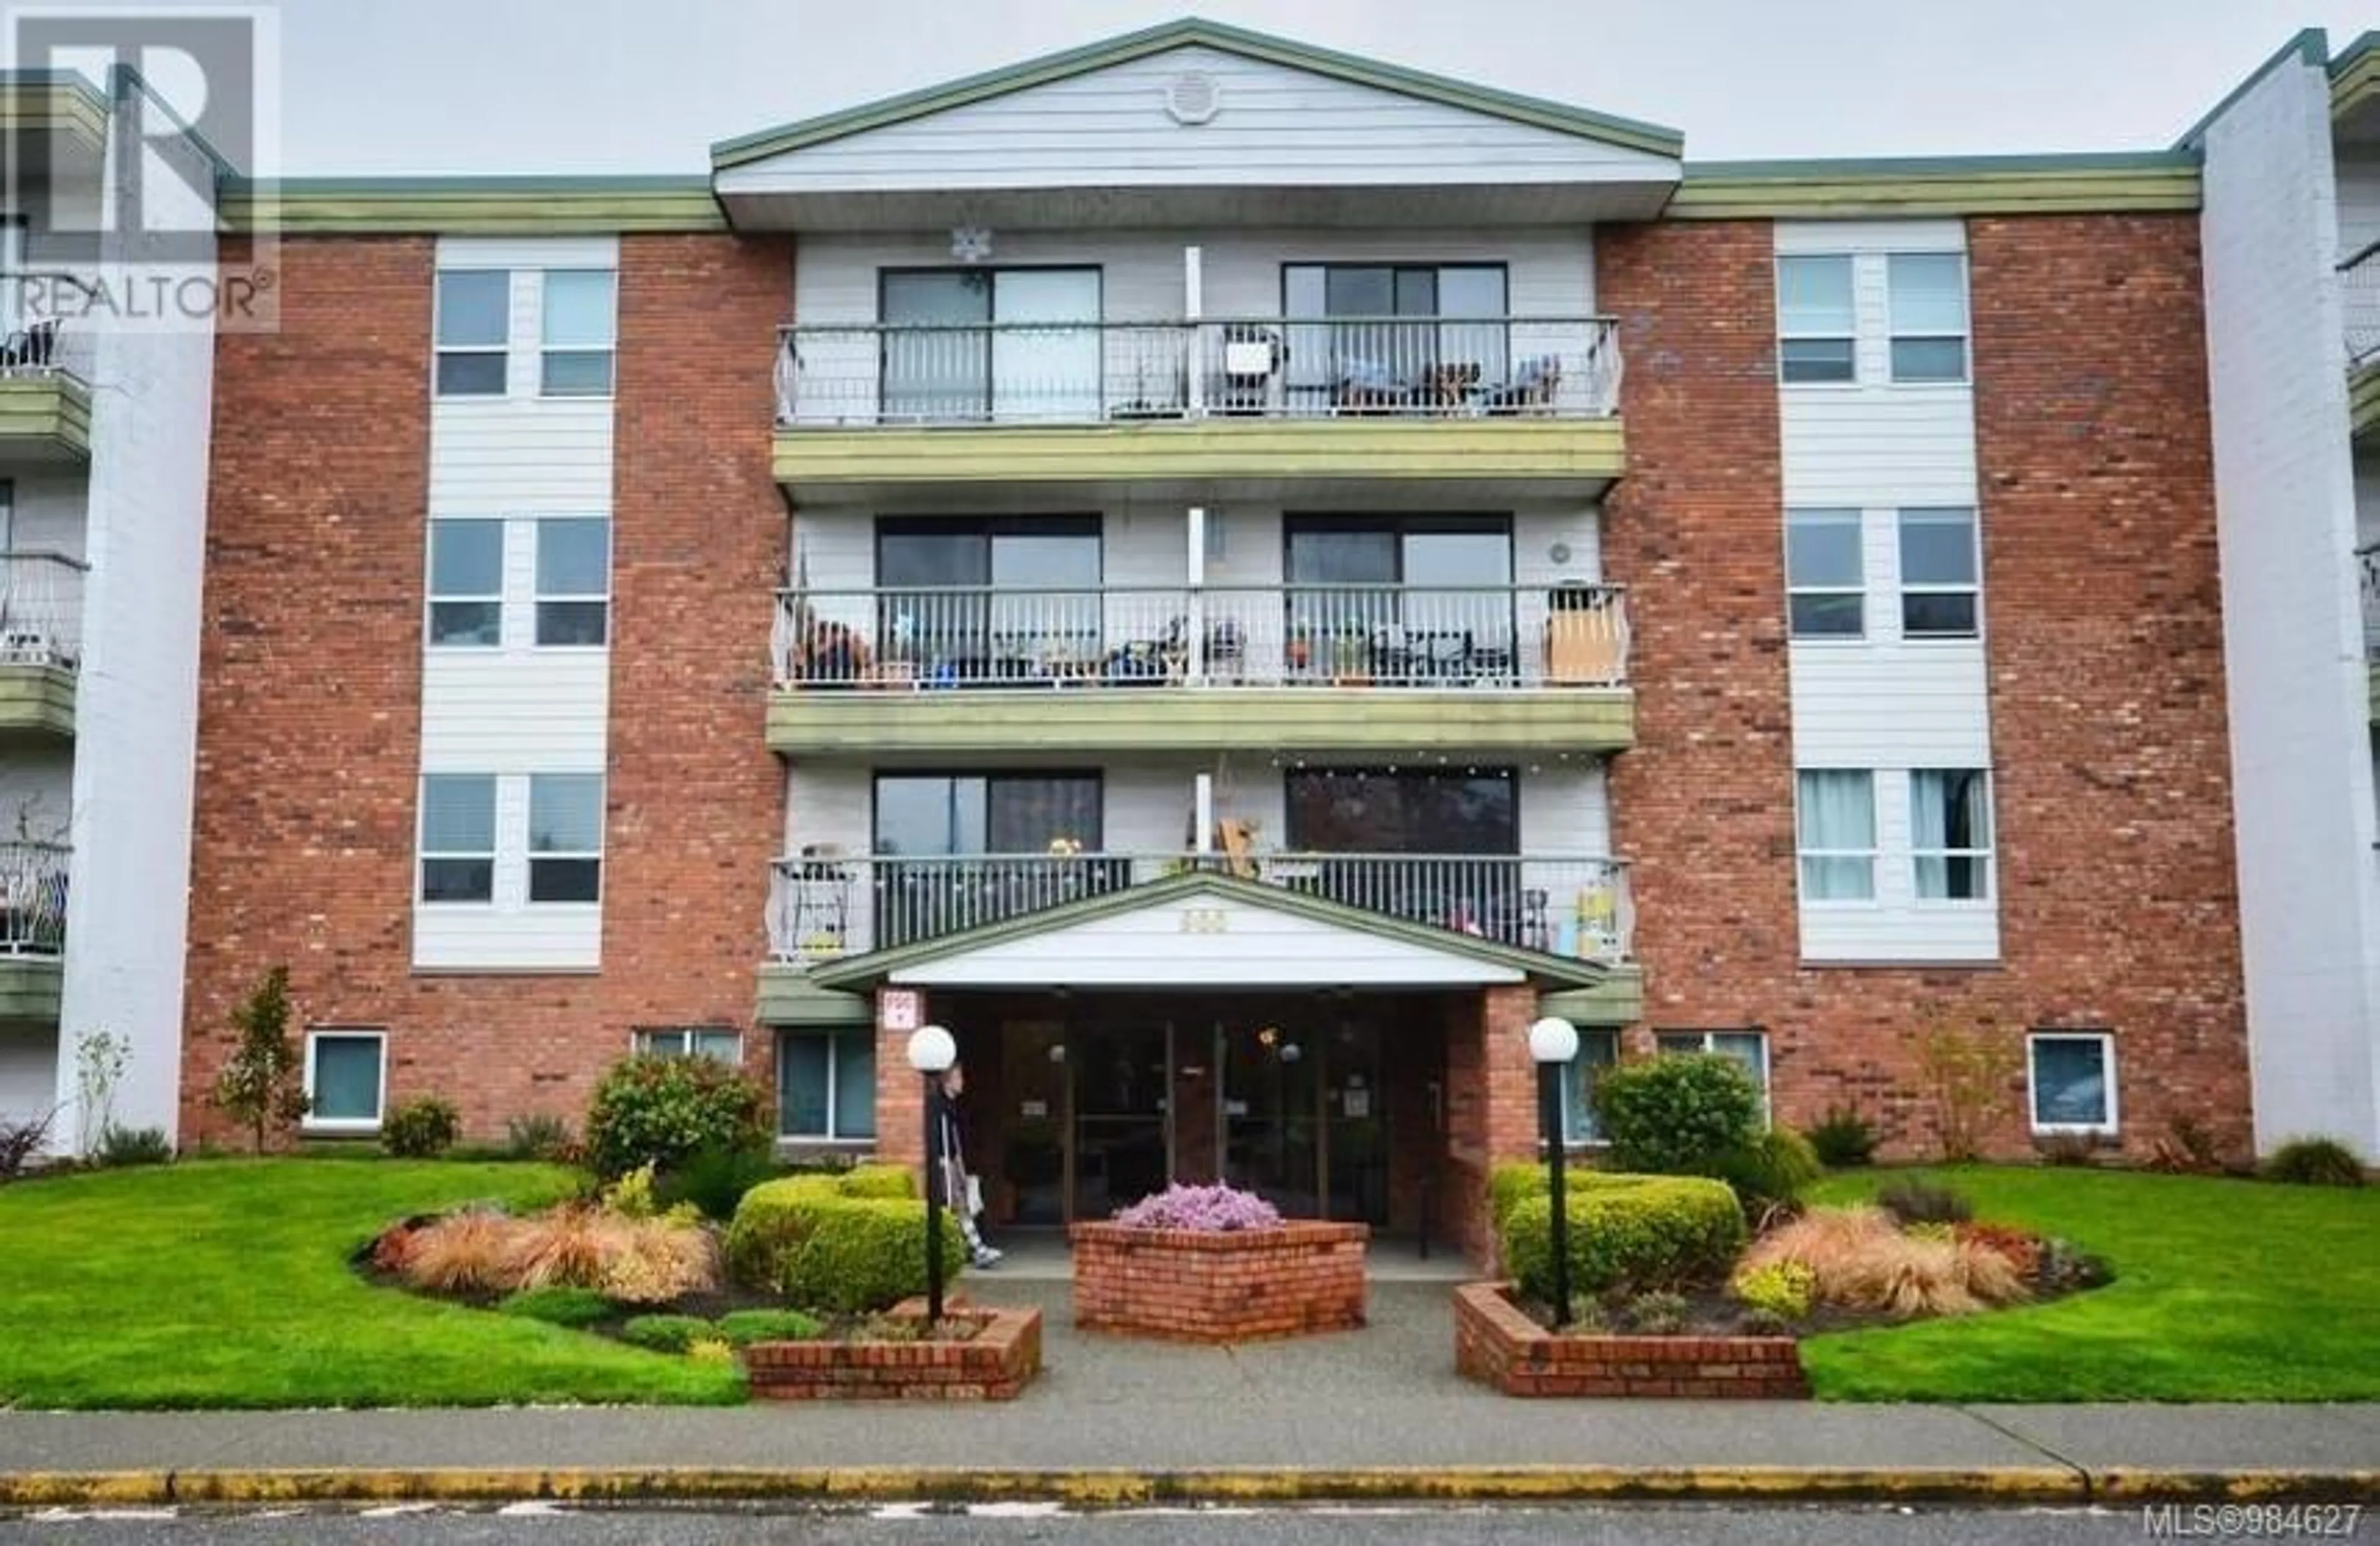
x,y
313,1124
531,853
1965,334
610,349
833,1084
1577,1114
648,1042
423,854
2107,1040
1874,854
432,596
1834,515
1974,589
1850,336
1708,1044
1987,857
439,350
538,595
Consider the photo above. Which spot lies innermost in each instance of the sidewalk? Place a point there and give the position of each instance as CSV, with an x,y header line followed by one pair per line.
x,y
1375,1413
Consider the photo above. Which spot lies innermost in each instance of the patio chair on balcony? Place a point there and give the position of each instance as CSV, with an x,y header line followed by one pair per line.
x,y
1536,383
1370,386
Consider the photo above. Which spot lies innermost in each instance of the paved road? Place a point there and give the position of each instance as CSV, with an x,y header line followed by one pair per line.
x,y
1018,1525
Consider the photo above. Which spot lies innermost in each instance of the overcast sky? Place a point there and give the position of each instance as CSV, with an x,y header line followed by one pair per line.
x,y
528,86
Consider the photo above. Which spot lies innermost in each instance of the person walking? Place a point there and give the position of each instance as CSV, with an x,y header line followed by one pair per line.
x,y
961,1192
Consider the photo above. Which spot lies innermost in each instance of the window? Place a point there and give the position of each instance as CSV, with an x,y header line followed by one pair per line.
x,y
1928,294
474,320
458,837
1815,327
2071,1078
1747,1047
941,361
345,1079
717,1042
466,583
1937,574
575,359
826,1085
1825,588
1950,834
1836,825
974,599
565,838
1597,1050
574,577
1403,322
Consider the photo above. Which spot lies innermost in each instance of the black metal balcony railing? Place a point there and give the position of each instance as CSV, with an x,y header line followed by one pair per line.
x,y
1570,635
41,609
823,905
1090,373
2360,287
2367,569
32,899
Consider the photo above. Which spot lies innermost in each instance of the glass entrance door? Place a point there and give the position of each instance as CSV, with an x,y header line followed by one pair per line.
x,y
1272,1117
1122,1076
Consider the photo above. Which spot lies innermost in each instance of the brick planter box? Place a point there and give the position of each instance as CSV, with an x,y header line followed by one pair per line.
x,y
1497,1344
1193,1285
995,1365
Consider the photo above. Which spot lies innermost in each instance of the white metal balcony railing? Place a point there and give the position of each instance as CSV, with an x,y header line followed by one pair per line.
x,y
32,899
1567,635
2367,569
42,343
2360,287
1113,371
41,609
823,905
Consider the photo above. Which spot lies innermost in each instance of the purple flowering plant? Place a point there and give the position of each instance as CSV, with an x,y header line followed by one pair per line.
x,y
1212,1209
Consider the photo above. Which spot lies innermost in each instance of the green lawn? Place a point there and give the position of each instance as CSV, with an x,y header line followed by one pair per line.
x,y
2226,1291
226,1284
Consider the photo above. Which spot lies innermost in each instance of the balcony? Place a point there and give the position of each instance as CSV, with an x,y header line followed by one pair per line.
x,y
824,907
1221,408
41,641
2367,569
2360,284
45,386
1201,669
32,928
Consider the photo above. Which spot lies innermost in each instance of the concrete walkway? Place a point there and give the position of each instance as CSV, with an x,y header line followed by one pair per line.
x,y
1383,1398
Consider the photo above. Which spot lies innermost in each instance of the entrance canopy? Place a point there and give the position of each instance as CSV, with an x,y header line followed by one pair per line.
x,y
1207,930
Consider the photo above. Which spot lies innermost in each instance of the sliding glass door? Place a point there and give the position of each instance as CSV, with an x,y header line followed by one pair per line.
x,y
1440,848
972,599
1412,335
984,343
958,851
1400,599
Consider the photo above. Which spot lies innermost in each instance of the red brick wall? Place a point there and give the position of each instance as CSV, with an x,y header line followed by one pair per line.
x,y
2108,734
310,714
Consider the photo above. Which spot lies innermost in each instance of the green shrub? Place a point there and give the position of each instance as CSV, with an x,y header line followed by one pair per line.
x,y
1844,1139
132,1146
538,1137
1783,1289
2314,1163
1910,1200
1677,1115
558,1305
1511,1184
893,1181
715,1179
745,1327
1631,1232
422,1129
851,1242
1771,1171
1657,1313
661,1110
667,1333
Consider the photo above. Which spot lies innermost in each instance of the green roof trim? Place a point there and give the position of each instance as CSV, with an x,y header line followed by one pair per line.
x,y
62,99
1194,31
473,206
2310,47
2355,76
2084,182
869,969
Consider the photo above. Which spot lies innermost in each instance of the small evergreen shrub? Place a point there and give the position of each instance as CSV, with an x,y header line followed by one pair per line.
x,y
1679,1114
558,1306
665,1333
119,1146
711,1350
1657,1313
2067,1150
538,1137
663,1111
261,1085
745,1327
847,1243
1772,1171
1844,1139
714,1180
1910,1200
422,1129
1628,1232
2313,1162
1784,1289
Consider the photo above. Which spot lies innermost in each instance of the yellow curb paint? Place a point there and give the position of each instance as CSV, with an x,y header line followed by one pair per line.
x,y
85,1489
2120,1485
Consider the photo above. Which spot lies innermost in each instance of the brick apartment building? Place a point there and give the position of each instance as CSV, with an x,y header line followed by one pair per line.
x,y
1235,576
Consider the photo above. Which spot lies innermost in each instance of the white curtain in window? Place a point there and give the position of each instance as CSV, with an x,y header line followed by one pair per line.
x,y
1951,832
1837,813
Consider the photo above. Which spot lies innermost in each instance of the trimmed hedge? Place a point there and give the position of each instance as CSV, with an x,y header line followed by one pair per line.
x,y
1677,1115
661,1111
1512,1184
1631,1232
847,1243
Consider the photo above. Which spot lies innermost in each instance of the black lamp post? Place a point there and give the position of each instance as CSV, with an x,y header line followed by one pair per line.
x,y
931,1053
1553,1043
